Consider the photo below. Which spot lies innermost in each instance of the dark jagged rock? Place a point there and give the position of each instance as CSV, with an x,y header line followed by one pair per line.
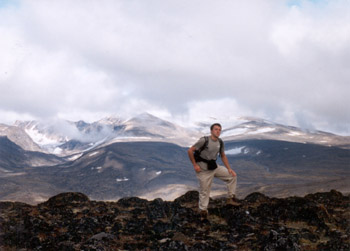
x,y
64,199
188,197
70,221
132,202
256,197
158,209
325,198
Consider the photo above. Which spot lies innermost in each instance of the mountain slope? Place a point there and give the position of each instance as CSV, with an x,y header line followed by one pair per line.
x,y
146,156
19,137
119,169
125,169
66,138
158,169
14,158
18,175
279,168
146,127
254,128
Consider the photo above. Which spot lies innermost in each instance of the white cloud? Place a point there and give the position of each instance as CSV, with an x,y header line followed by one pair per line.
x,y
83,59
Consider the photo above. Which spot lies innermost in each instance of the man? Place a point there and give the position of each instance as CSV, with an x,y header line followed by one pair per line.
x,y
212,146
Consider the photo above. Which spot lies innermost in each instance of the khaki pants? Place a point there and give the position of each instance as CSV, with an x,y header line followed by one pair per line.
x,y
206,177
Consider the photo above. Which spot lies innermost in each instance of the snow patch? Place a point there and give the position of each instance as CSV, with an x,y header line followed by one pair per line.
x,y
159,172
234,131
57,150
262,130
40,138
294,133
76,156
96,168
92,154
5,170
132,137
234,151
121,180
6,174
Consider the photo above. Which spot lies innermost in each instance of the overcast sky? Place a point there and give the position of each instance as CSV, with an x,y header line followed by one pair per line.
x,y
285,61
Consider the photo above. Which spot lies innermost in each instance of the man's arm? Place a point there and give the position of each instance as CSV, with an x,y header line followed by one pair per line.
x,y
190,151
227,165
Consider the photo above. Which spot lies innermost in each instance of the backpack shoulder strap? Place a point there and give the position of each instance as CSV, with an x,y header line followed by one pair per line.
x,y
205,145
221,145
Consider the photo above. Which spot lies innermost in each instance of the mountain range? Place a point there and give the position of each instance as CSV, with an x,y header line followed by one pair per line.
x,y
146,156
65,138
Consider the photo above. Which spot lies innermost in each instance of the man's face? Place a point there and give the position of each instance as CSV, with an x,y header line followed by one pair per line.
x,y
216,131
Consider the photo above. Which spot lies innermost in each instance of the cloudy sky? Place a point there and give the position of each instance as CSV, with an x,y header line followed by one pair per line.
x,y
285,61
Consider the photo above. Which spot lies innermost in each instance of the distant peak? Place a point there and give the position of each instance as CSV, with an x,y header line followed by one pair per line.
x,y
20,123
81,123
113,119
256,119
144,116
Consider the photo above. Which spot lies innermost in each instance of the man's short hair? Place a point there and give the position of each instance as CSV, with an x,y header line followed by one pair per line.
x,y
216,124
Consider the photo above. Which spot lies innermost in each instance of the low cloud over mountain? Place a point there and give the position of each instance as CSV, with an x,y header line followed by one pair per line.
x,y
82,60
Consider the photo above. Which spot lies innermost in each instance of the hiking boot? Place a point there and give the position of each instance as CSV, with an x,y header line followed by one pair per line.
x,y
203,214
233,201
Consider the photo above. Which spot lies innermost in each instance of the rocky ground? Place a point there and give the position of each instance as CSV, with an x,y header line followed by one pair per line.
x,y
70,221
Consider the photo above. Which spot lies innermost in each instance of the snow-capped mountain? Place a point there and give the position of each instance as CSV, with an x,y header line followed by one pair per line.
x,y
254,128
18,136
245,128
65,138
47,135
146,127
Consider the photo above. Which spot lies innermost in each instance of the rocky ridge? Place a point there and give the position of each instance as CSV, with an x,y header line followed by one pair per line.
x,y
71,221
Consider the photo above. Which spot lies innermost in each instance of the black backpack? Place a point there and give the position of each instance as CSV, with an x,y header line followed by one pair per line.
x,y
197,153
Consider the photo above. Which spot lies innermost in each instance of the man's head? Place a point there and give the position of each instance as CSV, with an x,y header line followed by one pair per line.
x,y
215,130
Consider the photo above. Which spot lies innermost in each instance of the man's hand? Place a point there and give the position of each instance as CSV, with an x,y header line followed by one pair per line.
x,y
233,173
197,168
